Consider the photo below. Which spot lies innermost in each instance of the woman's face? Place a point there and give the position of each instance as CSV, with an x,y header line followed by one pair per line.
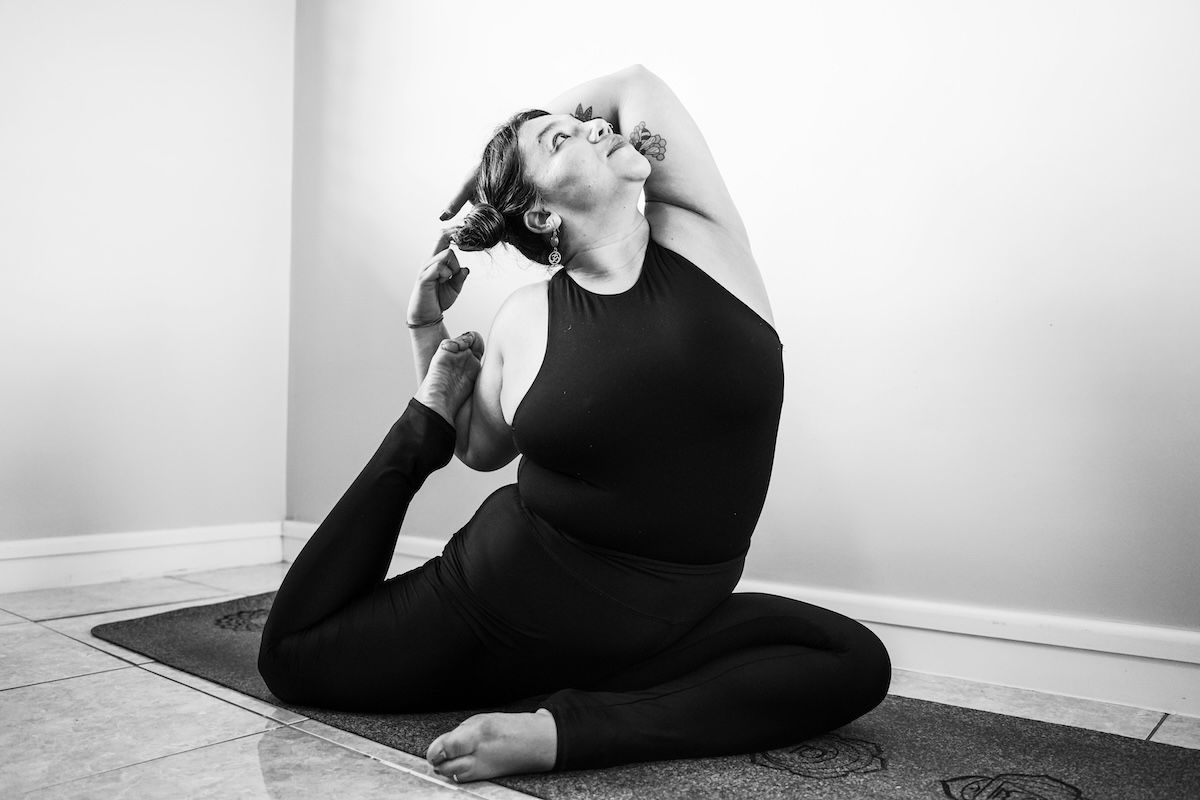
x,y
578,165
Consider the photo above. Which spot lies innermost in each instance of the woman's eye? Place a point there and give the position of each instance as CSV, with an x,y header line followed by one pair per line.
x,y
556,139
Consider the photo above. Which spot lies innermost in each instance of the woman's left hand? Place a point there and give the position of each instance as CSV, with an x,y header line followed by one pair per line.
x,y
438,285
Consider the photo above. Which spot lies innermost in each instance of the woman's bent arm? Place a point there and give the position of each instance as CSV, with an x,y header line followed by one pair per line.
x,y
488,442
480,443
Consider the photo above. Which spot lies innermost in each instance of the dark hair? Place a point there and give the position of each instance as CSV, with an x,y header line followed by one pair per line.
x,y
502,196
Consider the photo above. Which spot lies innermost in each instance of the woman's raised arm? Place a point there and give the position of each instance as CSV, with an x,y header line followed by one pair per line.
x,y
643,108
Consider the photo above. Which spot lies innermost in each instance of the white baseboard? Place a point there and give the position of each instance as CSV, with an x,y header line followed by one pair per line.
x,y
295,534
28,564
1145,666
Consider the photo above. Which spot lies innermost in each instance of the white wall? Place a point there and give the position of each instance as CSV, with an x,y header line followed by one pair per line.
x,y
145,181
976,220
985,264
379,144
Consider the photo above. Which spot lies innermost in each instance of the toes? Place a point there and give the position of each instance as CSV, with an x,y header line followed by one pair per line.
x,y
450,746
459,770
477,345
436,754
466,341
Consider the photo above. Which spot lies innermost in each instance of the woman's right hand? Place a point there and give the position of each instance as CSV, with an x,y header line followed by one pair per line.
x,y
438,284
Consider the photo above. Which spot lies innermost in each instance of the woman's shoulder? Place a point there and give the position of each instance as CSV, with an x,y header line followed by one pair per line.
x,y
525,302
529,293
520,317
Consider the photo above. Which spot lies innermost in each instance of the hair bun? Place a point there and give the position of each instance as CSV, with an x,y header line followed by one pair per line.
x,y
481,228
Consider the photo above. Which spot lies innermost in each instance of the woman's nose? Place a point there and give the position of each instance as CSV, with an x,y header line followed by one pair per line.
x,y
601,129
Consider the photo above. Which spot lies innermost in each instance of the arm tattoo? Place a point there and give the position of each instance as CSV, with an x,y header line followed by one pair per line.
x,y
651,145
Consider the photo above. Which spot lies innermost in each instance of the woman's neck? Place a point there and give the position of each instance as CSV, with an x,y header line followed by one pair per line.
x,y
606,257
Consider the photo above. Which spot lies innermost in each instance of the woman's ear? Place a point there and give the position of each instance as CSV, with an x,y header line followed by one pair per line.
x,y
542,222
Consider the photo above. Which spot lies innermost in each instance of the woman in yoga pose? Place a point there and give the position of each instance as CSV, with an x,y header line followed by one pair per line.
x,y
641,385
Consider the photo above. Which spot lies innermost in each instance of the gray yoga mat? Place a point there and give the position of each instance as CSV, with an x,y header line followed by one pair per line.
x,y
903,749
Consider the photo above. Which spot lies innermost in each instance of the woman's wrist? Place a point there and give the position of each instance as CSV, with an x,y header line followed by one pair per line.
x,y
414,325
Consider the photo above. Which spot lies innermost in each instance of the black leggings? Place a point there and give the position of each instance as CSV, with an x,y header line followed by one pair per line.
x,y
640,659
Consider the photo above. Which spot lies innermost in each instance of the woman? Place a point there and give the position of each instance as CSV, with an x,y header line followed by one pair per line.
x,y
642,386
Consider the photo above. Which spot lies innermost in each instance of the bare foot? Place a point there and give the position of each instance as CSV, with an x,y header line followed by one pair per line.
x,y
489,745
451,376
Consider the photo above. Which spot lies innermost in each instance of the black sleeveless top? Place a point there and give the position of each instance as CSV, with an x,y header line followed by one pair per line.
x,y
650,428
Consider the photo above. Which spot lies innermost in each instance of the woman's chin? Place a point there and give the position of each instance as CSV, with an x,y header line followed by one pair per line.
x,y
639,165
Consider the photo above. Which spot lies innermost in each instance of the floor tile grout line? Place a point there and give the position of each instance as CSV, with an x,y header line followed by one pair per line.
x,y
403,768
42,624
384,761
393,765
67,678
519,796
133,608
191,582
218,697
1156,727
99,649
91,775
179,578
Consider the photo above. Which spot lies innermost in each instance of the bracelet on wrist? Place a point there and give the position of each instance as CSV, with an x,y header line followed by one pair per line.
x,y
426,324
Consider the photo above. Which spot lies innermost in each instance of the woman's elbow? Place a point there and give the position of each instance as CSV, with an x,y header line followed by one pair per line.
x,y
484,461
638,72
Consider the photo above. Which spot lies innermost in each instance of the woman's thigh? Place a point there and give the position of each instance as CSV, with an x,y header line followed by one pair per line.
x,y
493,619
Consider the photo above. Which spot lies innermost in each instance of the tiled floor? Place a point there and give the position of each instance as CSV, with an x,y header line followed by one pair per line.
x,y
83,718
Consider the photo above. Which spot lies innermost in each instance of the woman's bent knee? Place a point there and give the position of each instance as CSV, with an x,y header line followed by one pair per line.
x,y
873,665
274,671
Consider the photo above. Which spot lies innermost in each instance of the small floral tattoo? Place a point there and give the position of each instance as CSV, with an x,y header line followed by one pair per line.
x,y
651,145
587,116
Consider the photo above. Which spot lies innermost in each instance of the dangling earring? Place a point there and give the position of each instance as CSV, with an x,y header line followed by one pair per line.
x,y
555,256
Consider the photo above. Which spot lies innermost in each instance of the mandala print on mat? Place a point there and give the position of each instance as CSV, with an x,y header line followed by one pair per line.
x,y
1010,786
828,756
251,619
